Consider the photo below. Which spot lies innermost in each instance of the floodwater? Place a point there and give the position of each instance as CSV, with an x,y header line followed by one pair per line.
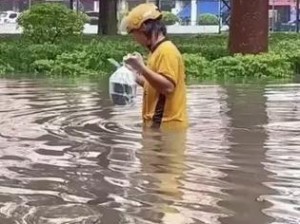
x,y
67,156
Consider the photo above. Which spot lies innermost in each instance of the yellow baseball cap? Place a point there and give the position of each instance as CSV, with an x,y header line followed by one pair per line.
x,y
138,15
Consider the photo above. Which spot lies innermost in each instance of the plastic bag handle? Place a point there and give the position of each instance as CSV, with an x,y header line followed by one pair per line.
x,y
114,62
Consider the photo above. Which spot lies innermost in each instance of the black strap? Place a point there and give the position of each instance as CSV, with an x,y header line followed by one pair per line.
x,y
158,43
160,105
159,111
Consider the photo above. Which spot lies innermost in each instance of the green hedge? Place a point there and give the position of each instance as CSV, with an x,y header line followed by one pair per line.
x,y
169,18
208,19
205,57
49,22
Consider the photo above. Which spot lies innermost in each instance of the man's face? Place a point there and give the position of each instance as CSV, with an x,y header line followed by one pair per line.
x,y
140,37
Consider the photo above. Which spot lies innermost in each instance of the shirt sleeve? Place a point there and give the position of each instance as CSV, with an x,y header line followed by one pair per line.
x,y
168,66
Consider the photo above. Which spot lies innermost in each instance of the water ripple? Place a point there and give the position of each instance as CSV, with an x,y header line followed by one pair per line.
x,y
283,152
67,155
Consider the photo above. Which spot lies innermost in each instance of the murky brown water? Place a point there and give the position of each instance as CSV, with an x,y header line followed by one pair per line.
x,y
68,156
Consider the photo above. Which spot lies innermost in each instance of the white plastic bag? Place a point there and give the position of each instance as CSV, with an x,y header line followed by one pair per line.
x,y
122,85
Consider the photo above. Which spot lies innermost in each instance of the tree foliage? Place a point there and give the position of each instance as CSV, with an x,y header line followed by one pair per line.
x,y
49,22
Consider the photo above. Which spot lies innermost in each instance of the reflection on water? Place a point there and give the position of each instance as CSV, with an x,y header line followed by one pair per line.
x,y
68,156
247,153
283,155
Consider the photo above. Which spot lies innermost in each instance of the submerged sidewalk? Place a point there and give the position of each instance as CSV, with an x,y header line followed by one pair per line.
x,y
10,28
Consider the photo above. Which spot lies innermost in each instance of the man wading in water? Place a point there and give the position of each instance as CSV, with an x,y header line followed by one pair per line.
x,y
164,102
163,78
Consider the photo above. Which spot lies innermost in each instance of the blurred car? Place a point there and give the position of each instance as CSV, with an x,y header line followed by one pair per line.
x,y
93,17
9,16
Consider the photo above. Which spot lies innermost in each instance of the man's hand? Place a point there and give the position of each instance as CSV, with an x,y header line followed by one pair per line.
x,y
162,84
134,62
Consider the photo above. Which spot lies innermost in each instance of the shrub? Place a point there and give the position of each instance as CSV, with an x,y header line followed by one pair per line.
x,y
205,57
208,19
5,68
209,52
43,66
70,69
21,55
49,22
288,48
253,66
60,68
196,65
259,66
169,18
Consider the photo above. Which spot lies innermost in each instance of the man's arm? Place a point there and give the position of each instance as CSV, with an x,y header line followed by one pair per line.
x,y
158,81
164,80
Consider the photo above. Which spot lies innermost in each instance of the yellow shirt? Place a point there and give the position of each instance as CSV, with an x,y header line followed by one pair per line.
x,y
166,111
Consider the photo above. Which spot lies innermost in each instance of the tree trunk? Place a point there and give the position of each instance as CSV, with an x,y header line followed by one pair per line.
x,y
107,24
249,26
71,4
22,5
